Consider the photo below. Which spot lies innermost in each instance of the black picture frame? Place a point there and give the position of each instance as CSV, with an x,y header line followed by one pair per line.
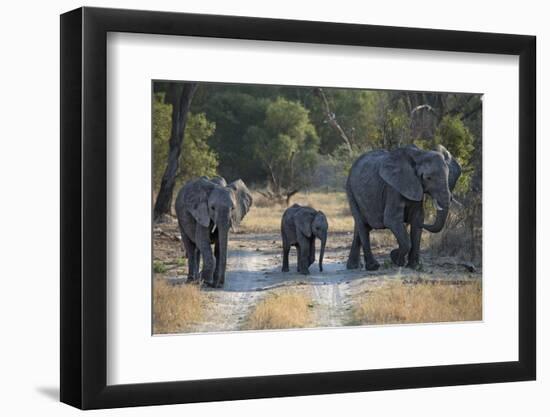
x,y
84,207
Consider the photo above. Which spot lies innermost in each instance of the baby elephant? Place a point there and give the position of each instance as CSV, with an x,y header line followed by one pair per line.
x,y
299,227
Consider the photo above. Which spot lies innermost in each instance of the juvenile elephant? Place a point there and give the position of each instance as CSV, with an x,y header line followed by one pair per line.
x,y
206,210
385,190
299,227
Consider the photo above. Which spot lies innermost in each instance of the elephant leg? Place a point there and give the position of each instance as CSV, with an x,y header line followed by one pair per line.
x,y
197,258
203,243
416,233
361,238
303,256
217,258
286,251
311,251
400,233
299,256
364,236
414,253
190,251
355,251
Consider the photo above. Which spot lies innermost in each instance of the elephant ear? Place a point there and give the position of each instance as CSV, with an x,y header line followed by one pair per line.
x,y
454,167
219,180
196,199
243,200
320,218
398,170
303,220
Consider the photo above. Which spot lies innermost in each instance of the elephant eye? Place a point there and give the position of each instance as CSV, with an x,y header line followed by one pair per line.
x,y
428,178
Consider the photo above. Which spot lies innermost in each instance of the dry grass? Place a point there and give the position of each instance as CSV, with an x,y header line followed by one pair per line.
x,y
422,303
282,310
265,216
461,237
175,307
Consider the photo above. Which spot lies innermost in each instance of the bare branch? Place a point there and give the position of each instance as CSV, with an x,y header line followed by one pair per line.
x,y
331,119
423,107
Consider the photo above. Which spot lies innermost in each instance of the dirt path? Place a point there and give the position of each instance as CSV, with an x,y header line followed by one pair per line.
x,y
228,308
253,272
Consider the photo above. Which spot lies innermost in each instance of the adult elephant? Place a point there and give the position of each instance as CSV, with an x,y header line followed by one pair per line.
x,y
299,227
207,210
385,190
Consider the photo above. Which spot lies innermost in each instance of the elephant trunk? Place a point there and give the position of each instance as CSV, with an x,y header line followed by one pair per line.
x,y
223,222
222,239
440,218
322,254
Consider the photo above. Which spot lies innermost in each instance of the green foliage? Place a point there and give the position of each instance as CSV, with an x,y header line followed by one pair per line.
x,y
457,138
342,160
234,109
286,143
196,159
396,128
162,125
261,132
281,136
370,119
159,267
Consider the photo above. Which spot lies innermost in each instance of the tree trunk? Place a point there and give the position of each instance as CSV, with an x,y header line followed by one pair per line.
x,y
289,196
180,108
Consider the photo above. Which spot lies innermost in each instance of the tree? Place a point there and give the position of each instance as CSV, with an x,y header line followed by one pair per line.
x,y
180,96
234,109
196,158
286,144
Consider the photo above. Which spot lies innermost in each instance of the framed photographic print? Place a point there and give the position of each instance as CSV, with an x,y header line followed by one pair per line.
x,y
257,208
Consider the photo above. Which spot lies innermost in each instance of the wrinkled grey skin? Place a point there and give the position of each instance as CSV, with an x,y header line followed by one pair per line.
x,y
299,227
386,190
206,210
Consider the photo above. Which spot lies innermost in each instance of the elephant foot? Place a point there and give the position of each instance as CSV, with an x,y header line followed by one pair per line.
x,y
195,281
303,271
353,264
191,280
285,269
413,264
397,258
207,277
372,265
217,284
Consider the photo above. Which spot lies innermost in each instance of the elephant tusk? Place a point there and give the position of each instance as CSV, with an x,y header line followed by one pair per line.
x,y
214,228
436,205
458,203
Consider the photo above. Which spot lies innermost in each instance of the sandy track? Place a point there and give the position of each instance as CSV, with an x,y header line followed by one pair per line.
x,y
253,272
252,275
228,308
